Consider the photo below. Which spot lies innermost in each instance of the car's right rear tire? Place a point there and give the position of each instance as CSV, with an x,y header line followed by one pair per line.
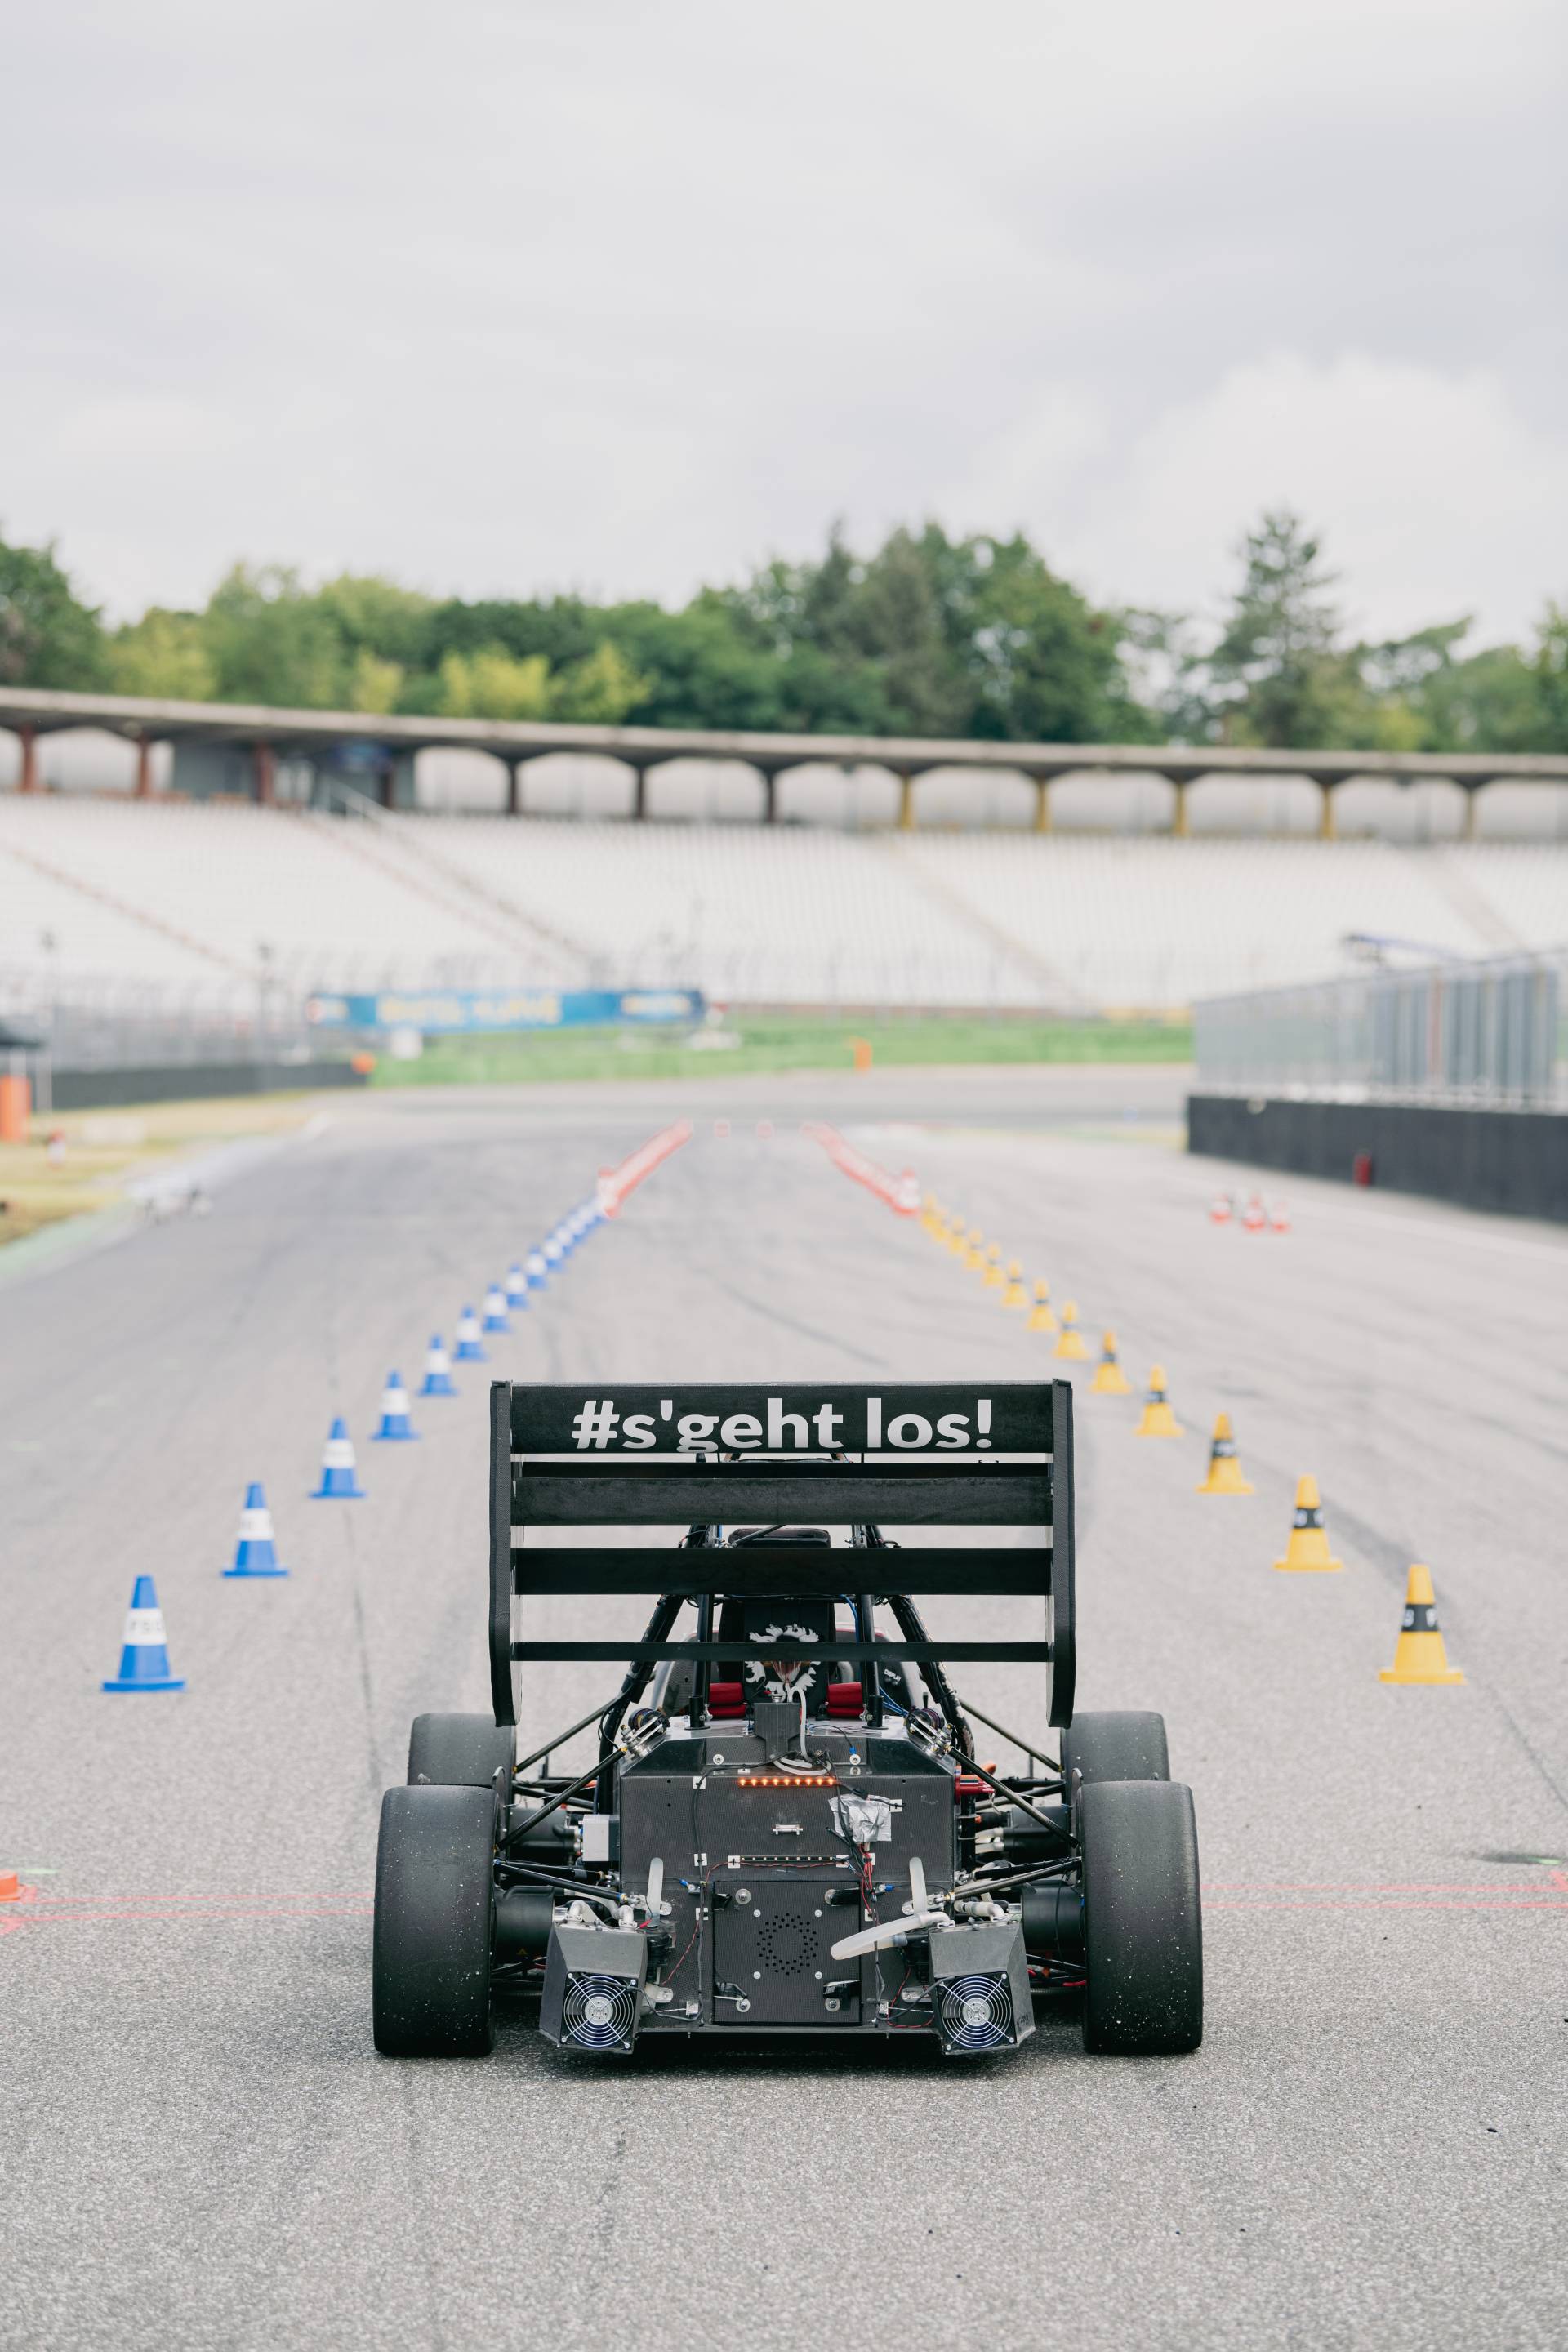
x,y
1142,1919
462,1751
1118,1745
435,1912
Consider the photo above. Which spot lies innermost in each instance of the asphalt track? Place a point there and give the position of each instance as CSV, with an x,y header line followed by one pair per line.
x,y
200,2147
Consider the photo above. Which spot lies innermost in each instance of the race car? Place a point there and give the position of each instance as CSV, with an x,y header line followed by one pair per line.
x,y
785,1827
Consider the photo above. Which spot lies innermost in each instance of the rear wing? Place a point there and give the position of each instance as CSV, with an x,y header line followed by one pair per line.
x,y
929,1456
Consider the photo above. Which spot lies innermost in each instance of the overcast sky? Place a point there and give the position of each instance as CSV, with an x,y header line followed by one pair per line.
x,y
623,297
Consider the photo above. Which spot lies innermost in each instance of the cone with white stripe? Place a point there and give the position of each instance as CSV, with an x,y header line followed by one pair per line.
x,y
1223,1471
554,1251
437,1381
395,1426
1220,1209
470,1349
1419,1656
516,1289
340,1478
255,1553
144,1653
537,1273
496,1316
1254,1218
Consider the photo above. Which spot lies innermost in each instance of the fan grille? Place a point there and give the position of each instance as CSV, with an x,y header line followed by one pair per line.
x,y
599,2012
976,2013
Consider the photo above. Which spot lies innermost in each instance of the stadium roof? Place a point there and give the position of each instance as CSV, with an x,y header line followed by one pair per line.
x,y
47,712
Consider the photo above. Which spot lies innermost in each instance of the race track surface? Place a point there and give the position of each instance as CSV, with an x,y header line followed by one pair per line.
x,y
201,2148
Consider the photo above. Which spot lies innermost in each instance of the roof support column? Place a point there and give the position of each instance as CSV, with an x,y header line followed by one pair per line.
x,y
1326,810
1042,803
27,781
264,769
142,788
906,800
1472,795
1179,814
769,797
639,794
513,788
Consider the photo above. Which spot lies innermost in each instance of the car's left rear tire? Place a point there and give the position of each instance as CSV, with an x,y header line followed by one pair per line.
x,y
462,1751
1142,1919
435,1907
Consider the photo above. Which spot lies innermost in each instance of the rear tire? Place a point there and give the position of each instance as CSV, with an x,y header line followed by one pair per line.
x,y
462,1751
1142,1920
435,1907
1115,1747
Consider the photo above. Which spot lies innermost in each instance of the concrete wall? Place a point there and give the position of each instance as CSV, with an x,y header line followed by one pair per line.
x,y
193,1081
1515,1161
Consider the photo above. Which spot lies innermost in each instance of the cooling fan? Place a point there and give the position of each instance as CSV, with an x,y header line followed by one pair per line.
x,y
599,2012
975,2014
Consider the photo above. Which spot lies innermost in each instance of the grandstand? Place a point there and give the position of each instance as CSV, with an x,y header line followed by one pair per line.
x,y
214,899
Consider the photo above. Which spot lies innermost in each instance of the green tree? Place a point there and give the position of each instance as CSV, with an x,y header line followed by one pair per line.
x,y
271,641
600,691
163,656
492,684
1278,675
48,637
374,615
374,684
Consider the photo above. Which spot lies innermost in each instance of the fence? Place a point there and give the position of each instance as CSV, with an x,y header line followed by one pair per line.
x,y
1485,1035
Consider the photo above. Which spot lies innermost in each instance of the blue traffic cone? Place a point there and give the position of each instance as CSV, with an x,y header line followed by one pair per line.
x,y
256,1554
437,1381
470,1349
495,1309
339,1476
538,1272
394,1422
144,1659
554,1252
516,1289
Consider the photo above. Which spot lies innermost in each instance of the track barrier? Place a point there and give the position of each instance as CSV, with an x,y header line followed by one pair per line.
x,y
901,1193
621,1182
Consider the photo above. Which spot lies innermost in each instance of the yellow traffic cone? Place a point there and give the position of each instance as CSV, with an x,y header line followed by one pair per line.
x,y
958,1237
995,1278
1418,1654
1071,1341
1041,1316
1157,1420
1225,1471
1015,1295
1110,1380
974,1252
931,1215
1307,1545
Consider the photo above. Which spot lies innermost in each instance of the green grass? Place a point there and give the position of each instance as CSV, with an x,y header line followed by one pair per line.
x,y
782,1042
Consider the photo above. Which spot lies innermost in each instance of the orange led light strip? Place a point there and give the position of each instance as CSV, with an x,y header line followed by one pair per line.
x,y
787,1780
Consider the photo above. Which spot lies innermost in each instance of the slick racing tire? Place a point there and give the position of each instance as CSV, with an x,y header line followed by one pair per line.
x,y
461,1752
435,1907
1143,1921
1119,1746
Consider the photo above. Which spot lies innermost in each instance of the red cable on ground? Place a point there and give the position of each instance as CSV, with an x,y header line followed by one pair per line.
x,y
902,1192
616,1184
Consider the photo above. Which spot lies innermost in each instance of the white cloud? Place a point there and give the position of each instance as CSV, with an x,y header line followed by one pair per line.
x,y
1433,496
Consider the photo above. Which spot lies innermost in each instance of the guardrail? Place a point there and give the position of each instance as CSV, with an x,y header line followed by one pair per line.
x,y
1486,1034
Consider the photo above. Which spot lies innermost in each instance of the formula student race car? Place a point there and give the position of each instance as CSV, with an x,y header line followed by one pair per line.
x,y
784,1828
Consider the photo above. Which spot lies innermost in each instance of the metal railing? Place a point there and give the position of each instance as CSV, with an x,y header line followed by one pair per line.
x,y
1493,1032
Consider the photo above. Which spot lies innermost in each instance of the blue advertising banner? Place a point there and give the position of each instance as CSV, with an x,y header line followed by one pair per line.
x,y
449,1011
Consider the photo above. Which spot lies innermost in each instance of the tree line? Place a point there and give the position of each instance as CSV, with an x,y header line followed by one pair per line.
x,y
929,635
